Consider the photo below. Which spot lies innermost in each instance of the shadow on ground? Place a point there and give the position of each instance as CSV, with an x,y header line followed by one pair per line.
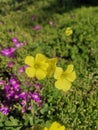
x,y
63,6
54,6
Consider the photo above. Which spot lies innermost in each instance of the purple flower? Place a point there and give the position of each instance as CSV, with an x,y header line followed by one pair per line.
x,y
17,45
16,87
37,27
21,43
23,102
24,109
8,52
21,69
16,96
15,84
10,94
10,64
29,107
6,88
14,40
13,81
38,86
23,95
4,109
36,97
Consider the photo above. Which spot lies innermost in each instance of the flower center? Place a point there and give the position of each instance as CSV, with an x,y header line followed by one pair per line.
x,y
63,76
37,66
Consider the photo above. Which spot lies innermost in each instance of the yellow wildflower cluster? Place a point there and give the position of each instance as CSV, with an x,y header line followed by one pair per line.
x,y
68,31
55,126
41,67
64,78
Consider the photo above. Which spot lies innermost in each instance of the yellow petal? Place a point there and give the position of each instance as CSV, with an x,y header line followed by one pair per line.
x,y
71,77
40,57
30,72
62,128
52,66
52,60
40,74
58,72
54,126
29,60
67,86
69,69
68,31
45,128
63,84
44,66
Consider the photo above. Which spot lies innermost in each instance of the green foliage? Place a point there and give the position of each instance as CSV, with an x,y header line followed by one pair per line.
x,y
77,109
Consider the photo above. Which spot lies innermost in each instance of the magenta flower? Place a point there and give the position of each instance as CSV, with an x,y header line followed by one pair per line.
x,y
29,107
10,64
16,96
38,86
4,109
37,27
9,52
13,81
21,69
16,87
12,94
6,87
9,95
9,92
24,109
36,97
15,84
23,95
14,40
23,102
17,45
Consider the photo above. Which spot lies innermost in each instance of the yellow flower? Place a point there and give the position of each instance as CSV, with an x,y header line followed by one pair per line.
x,y
52,66
55,126
64,78
45,128
37,66
68,31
